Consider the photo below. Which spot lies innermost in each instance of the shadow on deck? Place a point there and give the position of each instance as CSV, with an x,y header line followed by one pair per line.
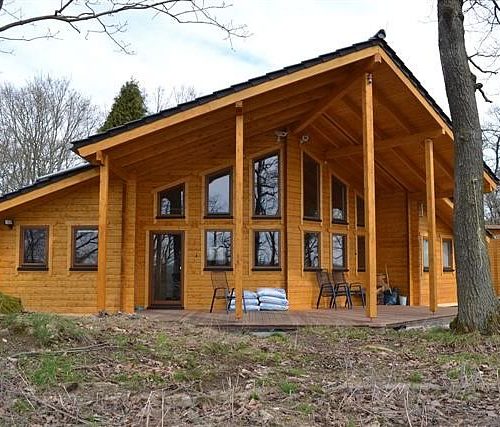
x,y
388,317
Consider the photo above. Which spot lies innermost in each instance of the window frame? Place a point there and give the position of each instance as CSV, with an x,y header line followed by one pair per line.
x,y
318,189
305,268
264,267
425,268
215,267
451,267
358,224
254,161
361,236
159,198
213,176
345,253
74,265
23,266
344,221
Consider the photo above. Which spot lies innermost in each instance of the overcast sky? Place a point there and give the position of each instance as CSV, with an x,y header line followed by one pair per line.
x,y
283,32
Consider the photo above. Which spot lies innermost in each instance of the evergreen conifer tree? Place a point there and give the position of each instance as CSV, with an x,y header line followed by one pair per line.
x,y
128,105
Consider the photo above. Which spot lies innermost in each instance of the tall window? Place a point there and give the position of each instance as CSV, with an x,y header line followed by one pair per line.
x,y
311,187
360,211
218,194
361,253
34,247
84,248
339,201
267,249
339,252
218,249
425,254
171,202
447,255
311,251
266,182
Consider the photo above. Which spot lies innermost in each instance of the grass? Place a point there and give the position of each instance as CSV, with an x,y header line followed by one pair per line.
x,y
305,408
50,370
288,387
416,377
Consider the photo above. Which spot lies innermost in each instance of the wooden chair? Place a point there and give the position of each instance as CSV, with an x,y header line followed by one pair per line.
x,y
342,288
221,289
356,289
383,285
326,288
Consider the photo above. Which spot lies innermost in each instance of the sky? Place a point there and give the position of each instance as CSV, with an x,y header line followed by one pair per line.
x,y
167,54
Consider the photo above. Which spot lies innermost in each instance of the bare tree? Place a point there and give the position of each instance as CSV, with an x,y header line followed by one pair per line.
x,y
478,309
491,150
37,123
160,100
106,17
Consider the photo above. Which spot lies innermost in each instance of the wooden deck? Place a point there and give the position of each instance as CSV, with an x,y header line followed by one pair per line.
x,y
389,317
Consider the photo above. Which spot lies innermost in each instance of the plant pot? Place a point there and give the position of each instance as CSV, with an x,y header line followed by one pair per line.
x,y
403,299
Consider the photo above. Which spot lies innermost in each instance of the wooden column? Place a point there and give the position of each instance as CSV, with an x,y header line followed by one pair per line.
x,y
128,246
431,222
369,194
238,212
103,230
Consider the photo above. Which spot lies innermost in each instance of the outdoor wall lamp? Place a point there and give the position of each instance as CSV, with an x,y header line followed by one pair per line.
x,y
9,222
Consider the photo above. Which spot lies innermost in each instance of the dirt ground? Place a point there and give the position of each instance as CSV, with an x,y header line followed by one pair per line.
x,y
122,370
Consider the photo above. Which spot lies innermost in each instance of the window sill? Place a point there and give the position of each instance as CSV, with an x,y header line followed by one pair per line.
x,y
426,269
266,269
171,217
361,270
218,269
313,270
448,270
307,218
264,217
339,222
221,216
340,269
83,268
32,268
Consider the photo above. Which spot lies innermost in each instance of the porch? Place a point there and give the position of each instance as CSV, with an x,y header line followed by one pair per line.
x,y
388,317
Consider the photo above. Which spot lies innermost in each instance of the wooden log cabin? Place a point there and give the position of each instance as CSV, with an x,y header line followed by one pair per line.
x,y
340,162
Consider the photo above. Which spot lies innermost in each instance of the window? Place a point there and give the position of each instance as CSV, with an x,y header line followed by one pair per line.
x,y
218,249
34,248
447,255
339,252
171,202
360,211
425,254
266,182
361,253
310,187
85,248
339,201
311,251
218,194
267,249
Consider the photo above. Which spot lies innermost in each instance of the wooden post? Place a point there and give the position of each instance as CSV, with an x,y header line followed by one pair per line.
x,y
431,222
238,213
369,194
128,246
103,230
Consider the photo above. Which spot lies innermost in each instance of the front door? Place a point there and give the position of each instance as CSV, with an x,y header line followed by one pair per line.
x,y
166,269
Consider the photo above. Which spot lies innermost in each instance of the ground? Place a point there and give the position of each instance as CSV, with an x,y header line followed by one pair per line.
x,y
128,370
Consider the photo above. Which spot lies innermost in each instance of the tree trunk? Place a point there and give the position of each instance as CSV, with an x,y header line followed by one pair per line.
x,y
477,305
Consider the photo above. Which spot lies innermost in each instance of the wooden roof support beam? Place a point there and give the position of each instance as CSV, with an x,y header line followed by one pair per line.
x,y
387,144
238,212
369,194
337,93
103,230
342,129
431,221
386,171
128,246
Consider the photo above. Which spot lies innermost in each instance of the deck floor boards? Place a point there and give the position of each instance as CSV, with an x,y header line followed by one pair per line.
x,y
388,316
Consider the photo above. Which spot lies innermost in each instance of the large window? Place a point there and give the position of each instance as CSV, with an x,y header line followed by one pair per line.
x,y
312,251
311,187
339,252
218,194
361,253
218,249
425,254
339,201
267,249
84,248
360,211
266,182
34,247
447,255
171,202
